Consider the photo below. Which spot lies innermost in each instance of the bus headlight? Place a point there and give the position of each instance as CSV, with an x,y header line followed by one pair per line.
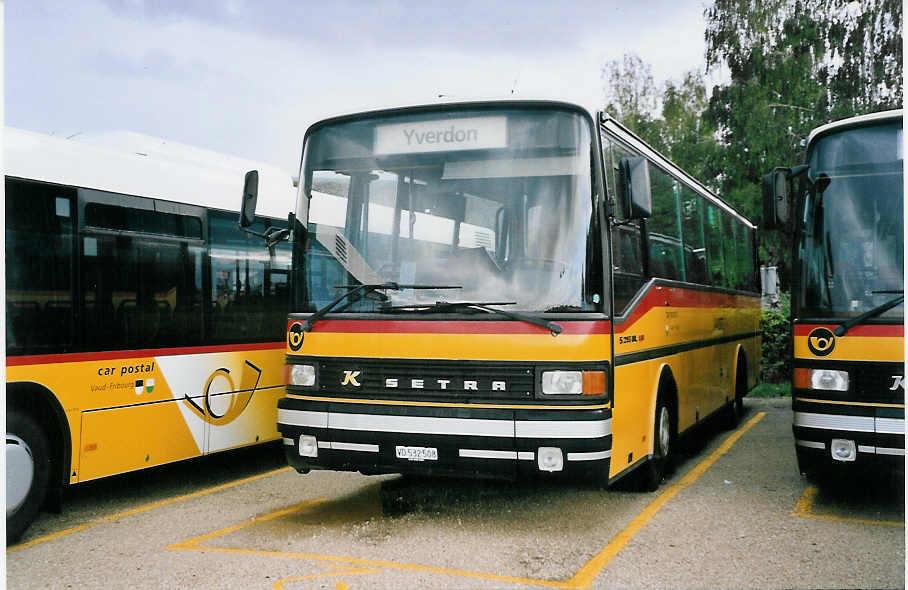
x,y
562,382
573,382
829,380
302,375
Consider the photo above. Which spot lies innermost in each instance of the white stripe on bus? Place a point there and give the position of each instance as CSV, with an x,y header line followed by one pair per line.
x,y
448,426
834,422
593,456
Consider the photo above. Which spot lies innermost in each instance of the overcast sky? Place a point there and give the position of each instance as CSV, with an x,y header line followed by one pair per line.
x,y
247,77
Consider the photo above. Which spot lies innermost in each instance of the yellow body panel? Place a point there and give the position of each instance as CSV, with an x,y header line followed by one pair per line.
x,y
125,439
856,348
492,347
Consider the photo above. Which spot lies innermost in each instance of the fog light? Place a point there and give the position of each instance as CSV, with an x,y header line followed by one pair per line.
x,y
550,459
308,446
842,450
302,375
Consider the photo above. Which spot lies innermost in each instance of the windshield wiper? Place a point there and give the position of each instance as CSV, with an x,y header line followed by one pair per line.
x,y
844,327
375,287
552,327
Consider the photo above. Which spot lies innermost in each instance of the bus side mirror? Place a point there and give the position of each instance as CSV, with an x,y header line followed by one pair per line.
x,y
638,194
777,198
250,196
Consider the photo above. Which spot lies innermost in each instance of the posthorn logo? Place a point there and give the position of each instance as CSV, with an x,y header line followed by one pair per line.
x,y
821,341
295,337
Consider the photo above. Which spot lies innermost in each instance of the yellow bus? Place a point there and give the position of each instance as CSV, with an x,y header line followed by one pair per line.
x,y
847,298
142,325
526,289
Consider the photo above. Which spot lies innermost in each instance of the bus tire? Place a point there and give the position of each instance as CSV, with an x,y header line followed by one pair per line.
x,y
27,472
654,470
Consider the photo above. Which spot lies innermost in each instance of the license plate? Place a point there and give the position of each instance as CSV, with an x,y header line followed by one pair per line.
x,y
417,453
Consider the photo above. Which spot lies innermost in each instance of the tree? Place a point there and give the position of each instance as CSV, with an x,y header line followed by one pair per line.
x,y
794,65
681,133
689,137
631,96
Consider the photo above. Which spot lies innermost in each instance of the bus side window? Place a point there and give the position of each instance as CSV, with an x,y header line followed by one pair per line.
x,y
249,290
714,251
664,228
692,207
39,267
141,275
627,242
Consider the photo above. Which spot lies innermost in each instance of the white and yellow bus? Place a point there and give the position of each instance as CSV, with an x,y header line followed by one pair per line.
x,y
520,288
142,325
845,212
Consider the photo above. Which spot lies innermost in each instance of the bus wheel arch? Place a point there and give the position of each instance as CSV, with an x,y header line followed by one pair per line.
x,y
735,409
664,431
42,409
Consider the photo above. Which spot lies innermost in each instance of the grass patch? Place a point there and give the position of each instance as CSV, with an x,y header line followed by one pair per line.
x,y
771,390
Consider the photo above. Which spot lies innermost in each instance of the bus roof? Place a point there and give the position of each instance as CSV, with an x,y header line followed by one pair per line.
x,y
858,121
451,102
140,165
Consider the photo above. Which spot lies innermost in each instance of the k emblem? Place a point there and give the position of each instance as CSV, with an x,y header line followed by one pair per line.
x,y
350,378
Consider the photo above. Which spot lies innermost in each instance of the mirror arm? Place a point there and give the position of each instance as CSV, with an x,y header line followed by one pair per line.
x,y
272,235
798,170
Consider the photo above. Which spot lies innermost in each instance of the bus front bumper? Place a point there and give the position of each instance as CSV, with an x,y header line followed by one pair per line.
x,y
477,442
849,439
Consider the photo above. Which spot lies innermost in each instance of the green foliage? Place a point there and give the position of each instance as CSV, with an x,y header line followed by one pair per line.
x,y
771,390
631,96
777,351
681,133
794,65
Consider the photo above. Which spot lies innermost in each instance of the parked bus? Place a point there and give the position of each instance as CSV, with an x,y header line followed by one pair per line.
x,y
847,310
527,288
142,325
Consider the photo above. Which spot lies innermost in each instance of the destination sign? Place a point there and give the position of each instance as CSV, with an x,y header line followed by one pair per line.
x,y
475,133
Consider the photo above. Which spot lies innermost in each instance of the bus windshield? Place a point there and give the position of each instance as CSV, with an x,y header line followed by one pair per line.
x,y
497,202
851,240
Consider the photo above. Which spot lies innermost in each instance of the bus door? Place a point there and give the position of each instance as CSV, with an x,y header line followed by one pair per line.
x,y
141,296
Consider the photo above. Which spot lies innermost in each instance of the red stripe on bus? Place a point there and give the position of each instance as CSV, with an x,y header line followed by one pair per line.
x,y
866,330
75,357
453,327
685,298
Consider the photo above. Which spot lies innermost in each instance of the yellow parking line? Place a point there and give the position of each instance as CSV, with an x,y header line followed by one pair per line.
x,y
344,571
804,509
582,579
585,576
144,508
191,543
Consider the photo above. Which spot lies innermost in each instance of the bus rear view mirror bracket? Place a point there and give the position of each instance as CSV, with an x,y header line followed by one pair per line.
x,y
271,235
638,194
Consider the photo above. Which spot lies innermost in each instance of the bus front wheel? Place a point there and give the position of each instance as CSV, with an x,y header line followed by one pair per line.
x,y
27,472
654,469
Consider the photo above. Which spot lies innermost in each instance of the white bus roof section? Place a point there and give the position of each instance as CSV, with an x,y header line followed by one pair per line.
x,y
140,165
458,102
854,122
